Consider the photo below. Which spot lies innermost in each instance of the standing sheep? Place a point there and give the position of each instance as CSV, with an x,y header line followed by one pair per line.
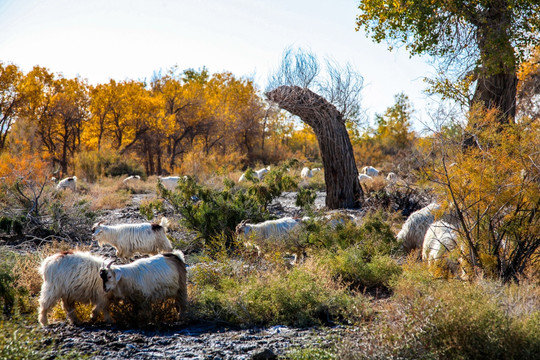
x,y
370,170
268,228
306,173
129,239
148,280
170,182
72,277
440,238
414,229
363,178
67,183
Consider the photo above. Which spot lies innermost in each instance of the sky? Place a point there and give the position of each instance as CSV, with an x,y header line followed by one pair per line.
x,y
100,40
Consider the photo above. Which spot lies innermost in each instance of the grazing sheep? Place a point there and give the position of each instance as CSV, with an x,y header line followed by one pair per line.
x,y
260,174
391,177
440,238
67,183
129,239
363,178
306,173
148,280
414,229
370,170
131,179
268,228
72,276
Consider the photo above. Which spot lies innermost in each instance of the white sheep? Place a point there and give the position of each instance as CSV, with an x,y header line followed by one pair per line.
x,y
391,177
414,229
370,170
440,238
131,179
170,182
148,280
67,183
72,276
363,178
260,174
129,239
306,173
269,228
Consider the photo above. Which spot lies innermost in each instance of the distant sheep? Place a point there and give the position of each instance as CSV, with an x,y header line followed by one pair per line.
x,y
440,238
131,179
67,183
170,182
363,178
267,229
260,174
147,280
414,229
72,277
129,239
391,177
370,170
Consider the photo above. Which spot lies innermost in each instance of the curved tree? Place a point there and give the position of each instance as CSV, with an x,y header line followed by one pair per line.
x,y
480,40
326,115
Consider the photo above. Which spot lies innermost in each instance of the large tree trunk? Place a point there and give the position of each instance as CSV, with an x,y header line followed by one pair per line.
x,y
340,172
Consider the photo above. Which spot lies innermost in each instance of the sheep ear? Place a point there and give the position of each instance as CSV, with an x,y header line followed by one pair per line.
x,y
117,275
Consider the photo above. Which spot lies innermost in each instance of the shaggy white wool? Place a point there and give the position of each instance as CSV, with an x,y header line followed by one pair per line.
x,y
72,277
440,238
414,229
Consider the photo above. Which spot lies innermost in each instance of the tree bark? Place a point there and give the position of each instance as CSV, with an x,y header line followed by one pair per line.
x,y
340,172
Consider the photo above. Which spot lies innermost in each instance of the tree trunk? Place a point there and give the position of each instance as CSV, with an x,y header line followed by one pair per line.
x,y
340,172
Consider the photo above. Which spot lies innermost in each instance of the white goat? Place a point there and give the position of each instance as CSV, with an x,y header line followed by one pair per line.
x,y
67,183
72,277
414,229
306,173
147,280
391,177
131,179
269,228
128,239
260,174
170,182
363,178
440,238
370,170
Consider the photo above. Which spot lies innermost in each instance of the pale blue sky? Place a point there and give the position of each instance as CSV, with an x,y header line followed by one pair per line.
x,y
130,39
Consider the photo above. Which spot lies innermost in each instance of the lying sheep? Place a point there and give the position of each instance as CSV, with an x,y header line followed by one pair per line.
x,y
391,177
72,276
131,179
440,238
129,239
363,178
67,183
414,229
147,280
268,228
370,170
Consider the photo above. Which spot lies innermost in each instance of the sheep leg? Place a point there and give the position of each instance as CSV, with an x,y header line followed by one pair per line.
x,y
181,302
46,302
69,308
104,308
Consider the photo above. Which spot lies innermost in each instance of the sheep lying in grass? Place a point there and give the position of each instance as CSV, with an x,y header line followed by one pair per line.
x,y
259,174
391,177
414,229
269,228
67,183
440,238
363,178
72,276
129,239
148,280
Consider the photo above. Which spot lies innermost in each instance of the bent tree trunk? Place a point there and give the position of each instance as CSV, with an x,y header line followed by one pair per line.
x,y
340,172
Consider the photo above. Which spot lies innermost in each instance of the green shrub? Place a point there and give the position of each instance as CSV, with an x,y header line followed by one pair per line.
x,y
304,296
305,198
311,354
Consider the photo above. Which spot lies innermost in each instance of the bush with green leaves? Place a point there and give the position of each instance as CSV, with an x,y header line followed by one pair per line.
x,y
214,213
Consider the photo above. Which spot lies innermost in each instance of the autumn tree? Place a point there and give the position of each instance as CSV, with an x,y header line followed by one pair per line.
x,y
11,98
480,40
290,89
